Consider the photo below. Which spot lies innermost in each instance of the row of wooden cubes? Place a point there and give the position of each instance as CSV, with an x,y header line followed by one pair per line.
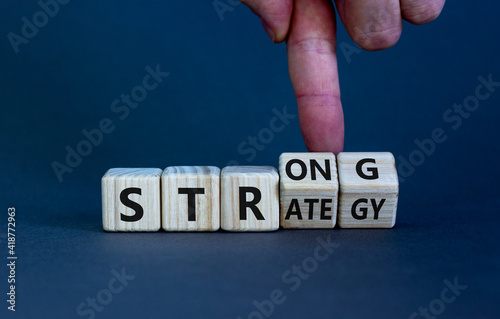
x,y
307,193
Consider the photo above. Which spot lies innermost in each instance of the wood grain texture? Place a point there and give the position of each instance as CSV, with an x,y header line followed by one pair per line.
x,y
235,179
308,194
202,180
368,183
114,182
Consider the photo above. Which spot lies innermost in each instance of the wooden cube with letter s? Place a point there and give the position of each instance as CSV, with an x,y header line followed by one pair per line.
x,y
369,190
131,199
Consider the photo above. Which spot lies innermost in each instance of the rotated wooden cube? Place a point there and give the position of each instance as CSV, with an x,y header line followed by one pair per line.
x,y
249,198
131,199
308,190
191,198
369,190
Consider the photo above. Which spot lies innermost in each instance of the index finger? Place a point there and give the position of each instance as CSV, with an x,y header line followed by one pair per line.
x,y
312,63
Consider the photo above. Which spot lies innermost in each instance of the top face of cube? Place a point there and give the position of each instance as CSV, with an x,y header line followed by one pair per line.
x,y
191,170
367,173
249,171
125,173
318,168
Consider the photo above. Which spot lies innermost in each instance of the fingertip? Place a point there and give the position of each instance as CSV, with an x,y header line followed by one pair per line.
x,y
373,25
421,11
378,40
334,146
269,31
274,16
322,125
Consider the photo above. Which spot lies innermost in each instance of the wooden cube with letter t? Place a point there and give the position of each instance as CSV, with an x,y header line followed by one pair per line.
x,y
369,190
190,198
131,199
308,190
249,198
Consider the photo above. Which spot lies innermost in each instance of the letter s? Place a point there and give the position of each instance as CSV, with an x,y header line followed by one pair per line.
x,y
89,312
139,211
449,117
115,108
242,150
287,279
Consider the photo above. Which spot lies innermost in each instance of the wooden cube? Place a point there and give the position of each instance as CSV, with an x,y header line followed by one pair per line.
x,y
191,198
249,198
368,190
131,199
308,190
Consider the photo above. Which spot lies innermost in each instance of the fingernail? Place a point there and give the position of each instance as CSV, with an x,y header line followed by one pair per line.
x,y
268,29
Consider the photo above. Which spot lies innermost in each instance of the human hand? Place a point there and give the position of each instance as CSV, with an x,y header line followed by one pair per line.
x,y
309,29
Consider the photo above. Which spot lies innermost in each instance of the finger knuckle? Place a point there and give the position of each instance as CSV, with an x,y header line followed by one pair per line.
x,y
317,45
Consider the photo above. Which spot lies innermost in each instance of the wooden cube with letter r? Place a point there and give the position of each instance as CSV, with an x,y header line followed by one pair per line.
x,y
131,199
249,198
308,190
369,190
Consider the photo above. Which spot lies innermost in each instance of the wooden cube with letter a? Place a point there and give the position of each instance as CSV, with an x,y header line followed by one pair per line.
x,y
190,198
369,190
249,198
308,190
131,199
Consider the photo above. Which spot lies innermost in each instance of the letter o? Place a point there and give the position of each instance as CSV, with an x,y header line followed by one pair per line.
x,y
433,309
107,300
475,103
36,20
310,264
86,151
142,96
303,169
269,133
419,160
